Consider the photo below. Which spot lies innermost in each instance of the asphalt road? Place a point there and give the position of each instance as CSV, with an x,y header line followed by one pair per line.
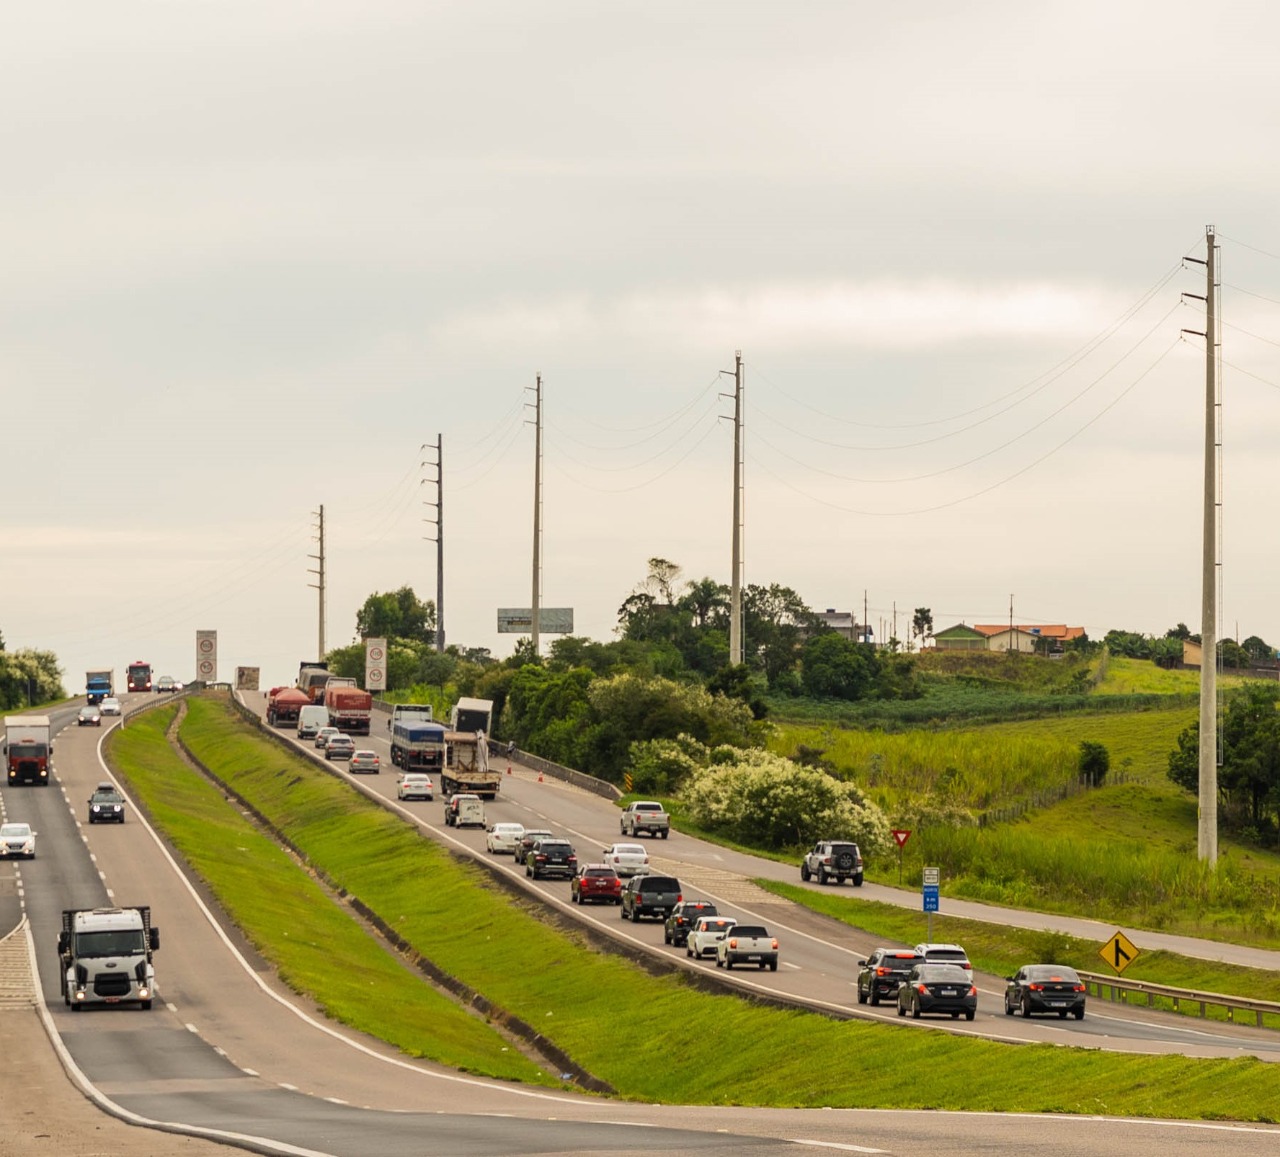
x,y
229,1052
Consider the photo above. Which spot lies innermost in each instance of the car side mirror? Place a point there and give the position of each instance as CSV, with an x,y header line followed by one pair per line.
x,y
155,940
64,942
862,964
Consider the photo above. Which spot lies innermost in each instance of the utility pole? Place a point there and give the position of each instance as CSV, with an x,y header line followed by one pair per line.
x,y
319,586
536,600
865,626
438,539
1011,622
1208,748
735,581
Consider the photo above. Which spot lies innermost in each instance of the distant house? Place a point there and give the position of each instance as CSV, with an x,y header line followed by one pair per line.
x,y
1191,654
960,638
844,623
1049,638
1017,639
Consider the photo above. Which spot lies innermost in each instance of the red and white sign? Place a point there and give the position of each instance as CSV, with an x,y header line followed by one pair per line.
x,y
901,836
375,664
207,656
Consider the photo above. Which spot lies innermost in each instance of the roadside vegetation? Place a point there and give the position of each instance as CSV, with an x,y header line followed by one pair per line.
x,y
451,912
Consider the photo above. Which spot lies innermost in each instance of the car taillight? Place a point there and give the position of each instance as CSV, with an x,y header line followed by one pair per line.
x,y
1079,988
882,971
1035,987
679,898
573,859
967,966
774,944
733,944
540,857
922,988
973,990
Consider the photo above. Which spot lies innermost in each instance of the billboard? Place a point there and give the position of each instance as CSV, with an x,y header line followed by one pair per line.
x,y
551,620
207,656
247,678
375,664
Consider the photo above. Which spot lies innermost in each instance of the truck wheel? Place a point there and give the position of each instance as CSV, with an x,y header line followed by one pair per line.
x,y
665,833
75,1007
822,876
857,881
728,964
874,997
145,1005
805,874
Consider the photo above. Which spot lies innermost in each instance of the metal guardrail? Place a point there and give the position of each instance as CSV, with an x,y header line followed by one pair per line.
x,y
1117,989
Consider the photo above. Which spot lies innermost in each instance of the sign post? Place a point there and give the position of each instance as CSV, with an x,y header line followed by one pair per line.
x,y
930,897
900,838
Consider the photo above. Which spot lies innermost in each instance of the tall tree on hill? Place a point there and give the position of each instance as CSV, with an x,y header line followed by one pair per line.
x,y
922,624
397,615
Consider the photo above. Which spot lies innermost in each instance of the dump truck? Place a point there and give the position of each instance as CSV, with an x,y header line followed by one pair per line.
x,y
417,745
106,956
99,685
283,705
349,709
28,746
467,765
312,676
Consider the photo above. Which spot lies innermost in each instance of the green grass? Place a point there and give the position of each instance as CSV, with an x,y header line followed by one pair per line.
x,y
1143,677
655,1037
1000,950
318,946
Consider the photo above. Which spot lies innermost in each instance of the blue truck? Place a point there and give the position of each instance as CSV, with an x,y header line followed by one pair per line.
x,y
417,745
99,685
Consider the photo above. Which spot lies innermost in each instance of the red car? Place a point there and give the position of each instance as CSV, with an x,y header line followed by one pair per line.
x,y
597,882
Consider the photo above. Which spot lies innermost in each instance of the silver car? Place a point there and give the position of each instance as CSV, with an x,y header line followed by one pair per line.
x,y
17,841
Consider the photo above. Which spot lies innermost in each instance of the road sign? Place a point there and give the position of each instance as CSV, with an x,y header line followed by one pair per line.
x,y
901,837
931,897
932,877
1119,952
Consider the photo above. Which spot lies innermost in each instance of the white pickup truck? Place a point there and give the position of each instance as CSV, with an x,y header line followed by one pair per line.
x,y
706,933
747,944
645,816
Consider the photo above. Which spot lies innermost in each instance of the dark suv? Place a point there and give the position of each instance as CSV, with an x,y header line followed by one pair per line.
x,y
882,973
106,805
837,860
650,896
551,857
682,919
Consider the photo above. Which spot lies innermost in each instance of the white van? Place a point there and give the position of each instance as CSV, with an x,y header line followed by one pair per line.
x,y
311,719
464,810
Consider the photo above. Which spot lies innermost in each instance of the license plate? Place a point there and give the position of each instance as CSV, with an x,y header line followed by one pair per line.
x,y
947,992
1057,1003
756,957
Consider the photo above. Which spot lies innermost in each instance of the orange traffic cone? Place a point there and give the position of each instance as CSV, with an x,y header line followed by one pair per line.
x,y
508,767
539,777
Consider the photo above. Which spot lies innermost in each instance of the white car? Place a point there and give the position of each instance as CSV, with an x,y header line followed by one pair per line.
x,y
17,840
935,953
503,839
626,859
705,934
110,706
415,785
324,735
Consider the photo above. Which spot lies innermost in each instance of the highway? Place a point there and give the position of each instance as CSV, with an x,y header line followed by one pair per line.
x,y
229,1053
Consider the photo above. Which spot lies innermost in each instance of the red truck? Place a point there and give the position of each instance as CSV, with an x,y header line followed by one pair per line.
x,y
349,709
284,703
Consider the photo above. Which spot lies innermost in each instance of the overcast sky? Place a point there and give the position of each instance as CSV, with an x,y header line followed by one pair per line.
x,y
255,255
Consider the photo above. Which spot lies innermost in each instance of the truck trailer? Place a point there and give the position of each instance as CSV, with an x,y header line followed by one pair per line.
x,y
312,676
99,685
106,956
28,746
349,709
467,765
417,745
283,705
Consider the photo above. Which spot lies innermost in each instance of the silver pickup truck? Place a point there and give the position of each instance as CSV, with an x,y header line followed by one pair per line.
x,y
748,944
645,816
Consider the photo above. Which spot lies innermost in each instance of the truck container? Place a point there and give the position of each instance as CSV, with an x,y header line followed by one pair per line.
x,y
28,745
283,705
138,676
349,709
471,715
417,745
99,685
467,765
312,676
418,712
106,956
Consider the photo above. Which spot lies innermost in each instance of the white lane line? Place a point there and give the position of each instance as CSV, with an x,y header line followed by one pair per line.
x,y
836,1145
192,1028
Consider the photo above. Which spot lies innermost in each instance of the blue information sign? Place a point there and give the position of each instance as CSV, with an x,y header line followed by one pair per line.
x,y
931,897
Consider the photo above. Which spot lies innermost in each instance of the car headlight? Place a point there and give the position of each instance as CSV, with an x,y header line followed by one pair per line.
x,y
115,807
96,807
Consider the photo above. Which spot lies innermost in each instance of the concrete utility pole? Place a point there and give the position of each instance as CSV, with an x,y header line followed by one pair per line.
x,y
536,600
735,580
438,539
319,585
1208,830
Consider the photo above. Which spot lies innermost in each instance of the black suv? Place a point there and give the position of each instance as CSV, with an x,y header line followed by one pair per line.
x,y
837,860
882,973
682,919
650,896
551,857
106,805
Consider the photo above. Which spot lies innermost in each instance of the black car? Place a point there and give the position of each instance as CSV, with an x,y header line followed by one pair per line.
x,y
1045,988
531,836
106,805
682,919
551,857
938,988
882,973
650,896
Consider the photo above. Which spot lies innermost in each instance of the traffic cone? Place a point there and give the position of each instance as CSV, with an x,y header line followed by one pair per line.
x,y
508,767
539,777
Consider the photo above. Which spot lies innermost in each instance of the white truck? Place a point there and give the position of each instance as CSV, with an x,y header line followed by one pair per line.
x,y
471,715
645,816
106,956
410,713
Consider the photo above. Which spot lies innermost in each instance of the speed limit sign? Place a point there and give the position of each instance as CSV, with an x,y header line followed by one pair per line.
x,y
375,654
375,677
206,667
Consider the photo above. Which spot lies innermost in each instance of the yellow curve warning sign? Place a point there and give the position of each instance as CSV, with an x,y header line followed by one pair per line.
x,y
1119,952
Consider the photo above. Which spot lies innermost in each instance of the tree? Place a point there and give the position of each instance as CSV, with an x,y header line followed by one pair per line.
x,y
1166,652
397,615
707,601
1095,762
837,668
28,677
922,624
1259,650
774,622
1181,632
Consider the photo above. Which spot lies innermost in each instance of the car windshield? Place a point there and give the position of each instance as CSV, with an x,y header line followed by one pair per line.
x,y
603,873
89,712
658,884
941,954
105,797
1048,972
755,930
941,973
13,831
628,850
508,830
554,846
124,942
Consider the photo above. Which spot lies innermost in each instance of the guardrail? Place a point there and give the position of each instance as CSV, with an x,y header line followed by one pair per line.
x,y
1118,990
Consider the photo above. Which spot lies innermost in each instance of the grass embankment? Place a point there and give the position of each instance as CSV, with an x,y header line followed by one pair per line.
x,y
655,1037
317,945
1000,950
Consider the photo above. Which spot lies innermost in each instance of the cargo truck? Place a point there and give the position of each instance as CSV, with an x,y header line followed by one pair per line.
x,y
312,676
99,685
138,676
283,705
28,746
471,715
467,765
404,712
349,709
106,956
417,745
